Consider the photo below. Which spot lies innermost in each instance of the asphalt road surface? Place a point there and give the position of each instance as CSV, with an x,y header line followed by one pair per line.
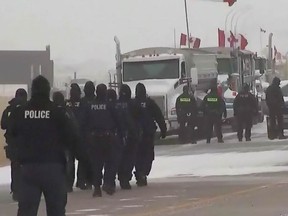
x,y
257,189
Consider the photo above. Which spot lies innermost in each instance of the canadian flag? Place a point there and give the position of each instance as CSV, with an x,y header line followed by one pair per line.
x,y
226,39
194,42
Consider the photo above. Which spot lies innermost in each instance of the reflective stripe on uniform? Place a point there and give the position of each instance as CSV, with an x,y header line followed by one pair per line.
x,y
185,100
212,99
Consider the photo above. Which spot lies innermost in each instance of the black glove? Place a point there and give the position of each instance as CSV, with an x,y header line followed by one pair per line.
x,y
163,134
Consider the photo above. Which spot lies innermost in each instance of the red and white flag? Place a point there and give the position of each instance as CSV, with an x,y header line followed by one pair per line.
x,y
194,42
242,42
183,40
226,39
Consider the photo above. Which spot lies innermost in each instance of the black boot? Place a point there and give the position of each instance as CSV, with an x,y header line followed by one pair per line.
x,y
141,181
125,185
97,192
110,190
220,140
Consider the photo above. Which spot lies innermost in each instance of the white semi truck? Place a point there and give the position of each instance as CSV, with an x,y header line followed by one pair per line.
x,y
164,72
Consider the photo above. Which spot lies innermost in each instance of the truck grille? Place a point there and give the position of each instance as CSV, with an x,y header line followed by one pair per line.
x,y
160,101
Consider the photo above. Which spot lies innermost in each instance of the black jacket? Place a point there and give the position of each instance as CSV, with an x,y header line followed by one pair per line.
x,y
213,104
245,104
147,112
43,132
274,98
186,104
5,120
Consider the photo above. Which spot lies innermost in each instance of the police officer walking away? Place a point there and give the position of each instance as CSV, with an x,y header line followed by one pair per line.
x,y
103,128
43,133
73,104
275,103
214,108
149,112
126,111
84,172
11,150
245,108
186,109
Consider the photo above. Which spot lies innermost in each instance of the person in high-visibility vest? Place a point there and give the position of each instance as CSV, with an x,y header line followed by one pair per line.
x,y
186,109
214,108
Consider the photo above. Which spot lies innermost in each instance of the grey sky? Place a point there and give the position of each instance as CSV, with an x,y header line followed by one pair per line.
x,y
81,30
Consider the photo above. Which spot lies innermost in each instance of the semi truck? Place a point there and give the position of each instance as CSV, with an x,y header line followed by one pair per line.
x,y
164,71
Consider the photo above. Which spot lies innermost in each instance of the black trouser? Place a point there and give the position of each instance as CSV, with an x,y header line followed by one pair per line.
x,y
70,169
214,121
187,129
48,179
279,128
84,170
128,158
145,155
15,177
244,121
104,153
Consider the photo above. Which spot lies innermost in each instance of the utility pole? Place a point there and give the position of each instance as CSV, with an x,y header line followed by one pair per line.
x,y
187,23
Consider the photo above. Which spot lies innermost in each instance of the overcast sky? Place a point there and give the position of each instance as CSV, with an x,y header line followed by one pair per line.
x,y
81,30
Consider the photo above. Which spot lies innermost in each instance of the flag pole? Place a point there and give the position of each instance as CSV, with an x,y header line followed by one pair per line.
x,y
187,23
175,46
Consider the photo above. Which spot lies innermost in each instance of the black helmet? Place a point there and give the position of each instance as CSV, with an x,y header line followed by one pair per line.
x,y
101,91
40,87
21,93
89,88
75,91
276,81
58,98
111,95
140,90
185,89
125,92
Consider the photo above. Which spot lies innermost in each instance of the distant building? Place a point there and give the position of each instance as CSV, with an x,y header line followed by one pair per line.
x,y
20,67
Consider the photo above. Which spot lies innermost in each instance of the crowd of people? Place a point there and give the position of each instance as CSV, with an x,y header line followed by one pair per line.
x,y
245,108
111,136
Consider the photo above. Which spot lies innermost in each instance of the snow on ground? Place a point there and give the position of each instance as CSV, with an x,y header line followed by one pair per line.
x,y
214,164
220,164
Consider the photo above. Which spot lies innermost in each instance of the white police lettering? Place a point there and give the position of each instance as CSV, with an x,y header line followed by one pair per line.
x,y
98,107
143,104
37,114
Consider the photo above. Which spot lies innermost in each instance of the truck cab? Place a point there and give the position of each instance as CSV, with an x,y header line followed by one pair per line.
x,y
164,72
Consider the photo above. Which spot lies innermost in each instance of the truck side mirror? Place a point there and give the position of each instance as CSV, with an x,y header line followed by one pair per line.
x,y
194,76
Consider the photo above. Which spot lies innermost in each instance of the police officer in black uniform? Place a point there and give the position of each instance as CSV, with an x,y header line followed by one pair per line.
x,y
73,105
148,113
43,133
245,107
11,150
214,108
126,111
111,95
84,172
186,109
103,127
276,104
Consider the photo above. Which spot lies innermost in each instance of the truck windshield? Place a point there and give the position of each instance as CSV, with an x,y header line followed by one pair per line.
x,y
164,69
226,66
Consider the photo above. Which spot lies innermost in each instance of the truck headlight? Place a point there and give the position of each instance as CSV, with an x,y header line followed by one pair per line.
x,y
173,111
